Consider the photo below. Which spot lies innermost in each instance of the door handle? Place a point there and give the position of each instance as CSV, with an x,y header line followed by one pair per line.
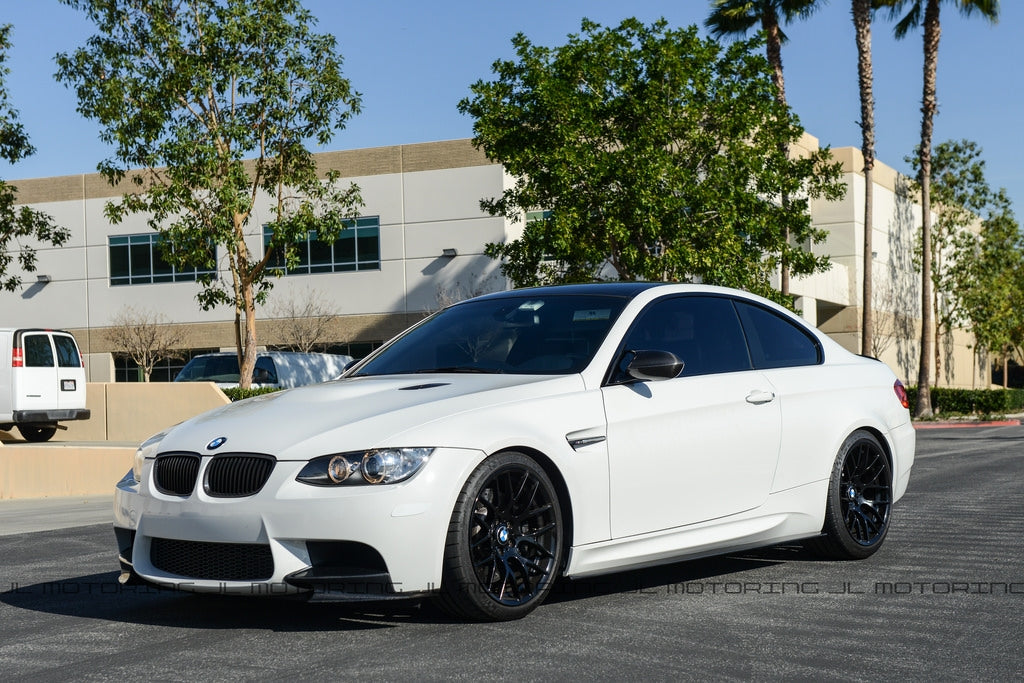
x,y
759,397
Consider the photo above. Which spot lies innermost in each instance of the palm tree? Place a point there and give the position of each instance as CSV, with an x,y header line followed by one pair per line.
x,y
862,27
736,18
926,13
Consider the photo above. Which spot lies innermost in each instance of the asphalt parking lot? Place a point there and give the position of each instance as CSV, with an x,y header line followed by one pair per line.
x,y
942,599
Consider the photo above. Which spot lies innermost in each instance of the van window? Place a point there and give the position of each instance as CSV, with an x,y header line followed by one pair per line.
x,y
67,352
265,371
38,352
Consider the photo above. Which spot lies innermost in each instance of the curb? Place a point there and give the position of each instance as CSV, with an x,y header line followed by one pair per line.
x,y
966,425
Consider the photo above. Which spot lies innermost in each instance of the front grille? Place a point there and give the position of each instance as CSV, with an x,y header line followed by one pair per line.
x,y
176,473
212,561
236,475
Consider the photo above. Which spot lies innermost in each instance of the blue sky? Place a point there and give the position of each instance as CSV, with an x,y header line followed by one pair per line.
x,y
413,61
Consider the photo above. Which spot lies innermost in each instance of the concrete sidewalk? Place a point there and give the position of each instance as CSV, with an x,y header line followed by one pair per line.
x,y
29,515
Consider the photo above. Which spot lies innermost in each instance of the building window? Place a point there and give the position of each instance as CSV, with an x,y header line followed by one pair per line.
x,y
357,248
136,260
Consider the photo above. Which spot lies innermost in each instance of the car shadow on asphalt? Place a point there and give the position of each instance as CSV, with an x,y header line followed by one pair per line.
x,y
100,596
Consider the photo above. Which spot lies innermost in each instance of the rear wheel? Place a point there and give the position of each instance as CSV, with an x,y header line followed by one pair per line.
x,y
504,541
859,502
35,432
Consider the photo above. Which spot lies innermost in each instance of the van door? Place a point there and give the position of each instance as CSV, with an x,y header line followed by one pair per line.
x,y
35,382
70,373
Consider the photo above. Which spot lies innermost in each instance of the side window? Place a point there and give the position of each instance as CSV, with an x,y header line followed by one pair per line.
x,y
776,342
38,352
67,352
265,371
703,331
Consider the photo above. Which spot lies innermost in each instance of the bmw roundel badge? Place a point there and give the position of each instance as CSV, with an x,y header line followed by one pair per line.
x,y
216,443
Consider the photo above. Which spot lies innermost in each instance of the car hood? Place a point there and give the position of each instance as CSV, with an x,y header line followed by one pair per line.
x,y
356,413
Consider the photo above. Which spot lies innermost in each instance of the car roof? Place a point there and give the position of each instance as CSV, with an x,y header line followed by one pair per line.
x,y
626,290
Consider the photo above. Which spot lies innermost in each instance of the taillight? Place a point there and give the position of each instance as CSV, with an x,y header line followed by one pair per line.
x,y
901,394
17,358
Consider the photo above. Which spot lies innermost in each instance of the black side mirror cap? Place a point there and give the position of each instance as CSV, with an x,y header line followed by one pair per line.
x,y
653,366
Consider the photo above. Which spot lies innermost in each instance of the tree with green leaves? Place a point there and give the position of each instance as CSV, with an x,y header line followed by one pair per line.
x,y
989,281
736,18
210,107
960,194
910,14
649,152
21,225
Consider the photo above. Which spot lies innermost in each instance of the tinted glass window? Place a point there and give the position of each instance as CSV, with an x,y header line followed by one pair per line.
x,y
210,369
703,332
38,352
536,334
265,371
776,342
357,248
136,259
67,352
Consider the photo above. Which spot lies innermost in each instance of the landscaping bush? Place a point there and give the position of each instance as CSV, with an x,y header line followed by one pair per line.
x,y
947,401
237,393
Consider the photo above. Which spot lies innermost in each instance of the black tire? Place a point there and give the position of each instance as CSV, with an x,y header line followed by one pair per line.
x,y
37,432
859,503
504,546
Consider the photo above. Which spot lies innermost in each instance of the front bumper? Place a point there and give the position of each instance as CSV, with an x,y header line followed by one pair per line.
x,y
349,543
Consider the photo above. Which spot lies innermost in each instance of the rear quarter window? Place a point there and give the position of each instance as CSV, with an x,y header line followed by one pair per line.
x,y
776,342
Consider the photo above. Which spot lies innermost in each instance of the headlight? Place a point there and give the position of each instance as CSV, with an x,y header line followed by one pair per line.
x,y
148,450
379,466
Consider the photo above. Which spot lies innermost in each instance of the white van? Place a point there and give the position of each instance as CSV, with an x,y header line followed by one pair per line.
x,y
278,369
42,381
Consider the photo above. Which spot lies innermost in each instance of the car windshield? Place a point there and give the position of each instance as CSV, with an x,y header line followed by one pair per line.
x,y
542,334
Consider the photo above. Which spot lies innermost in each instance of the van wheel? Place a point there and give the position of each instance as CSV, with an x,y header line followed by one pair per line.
x,y
37,432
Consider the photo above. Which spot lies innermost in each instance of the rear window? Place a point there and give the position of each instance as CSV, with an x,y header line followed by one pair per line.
x,y
38,352
67,352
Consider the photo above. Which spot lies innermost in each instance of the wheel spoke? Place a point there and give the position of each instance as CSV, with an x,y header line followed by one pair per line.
x,y
535,512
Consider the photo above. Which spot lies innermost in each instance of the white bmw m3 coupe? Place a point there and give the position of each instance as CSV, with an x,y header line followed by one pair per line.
x,y
518,437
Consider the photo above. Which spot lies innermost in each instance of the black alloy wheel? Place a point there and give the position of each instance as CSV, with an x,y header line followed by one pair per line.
x,y
859,503
504,541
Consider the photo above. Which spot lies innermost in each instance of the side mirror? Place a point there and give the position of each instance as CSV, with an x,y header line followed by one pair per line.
x,y
652,366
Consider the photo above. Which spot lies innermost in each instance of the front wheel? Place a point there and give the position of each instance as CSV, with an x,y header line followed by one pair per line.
x,y
504,541
859,502
35,432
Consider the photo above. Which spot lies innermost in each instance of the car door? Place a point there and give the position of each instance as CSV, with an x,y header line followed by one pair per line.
x,y
698,447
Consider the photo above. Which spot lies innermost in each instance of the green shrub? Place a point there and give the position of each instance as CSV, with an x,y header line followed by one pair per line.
x,y
237,394
947,401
